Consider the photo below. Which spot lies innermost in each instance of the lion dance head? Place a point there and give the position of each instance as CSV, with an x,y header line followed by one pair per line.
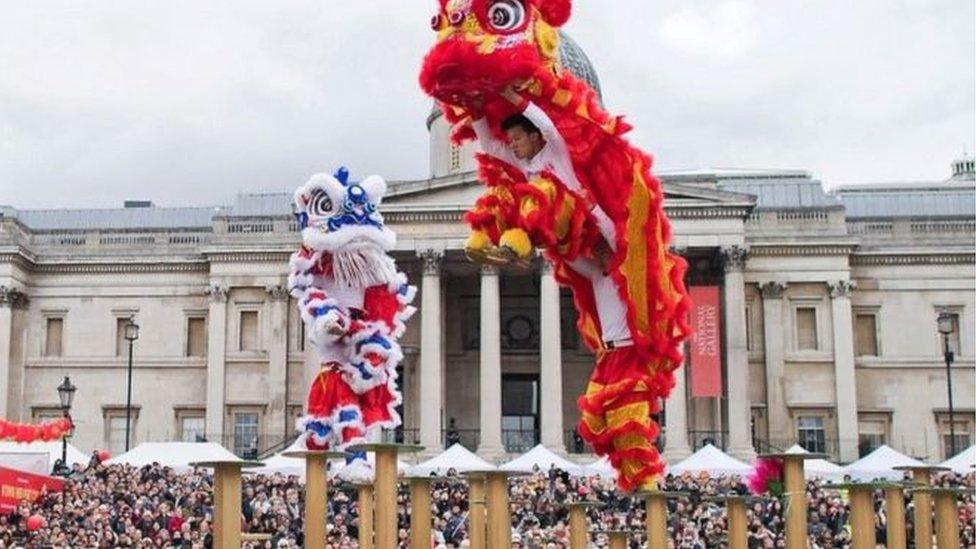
x,y
340,218
484,46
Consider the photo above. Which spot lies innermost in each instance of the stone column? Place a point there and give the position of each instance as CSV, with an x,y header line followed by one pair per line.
x,y
845,379
550,361
776,412
431,333
9,298
490,445
736,353
278,362
676,446
216,361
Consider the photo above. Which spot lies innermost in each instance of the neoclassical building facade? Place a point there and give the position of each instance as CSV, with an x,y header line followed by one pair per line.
x,y
827,306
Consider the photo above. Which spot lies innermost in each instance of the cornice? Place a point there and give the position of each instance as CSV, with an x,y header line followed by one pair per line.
x,y
913,259
121,267
242,256
779,250
708,212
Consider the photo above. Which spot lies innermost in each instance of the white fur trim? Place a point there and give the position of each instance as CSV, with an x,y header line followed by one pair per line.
x,y
375,187
358,471
318,238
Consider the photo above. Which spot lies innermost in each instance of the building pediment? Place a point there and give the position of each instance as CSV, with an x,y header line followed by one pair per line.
x,y
462,190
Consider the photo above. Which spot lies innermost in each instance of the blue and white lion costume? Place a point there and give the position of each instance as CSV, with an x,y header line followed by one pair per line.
x,y
354,304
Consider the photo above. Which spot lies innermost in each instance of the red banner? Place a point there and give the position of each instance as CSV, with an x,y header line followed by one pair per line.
x,y
706,342
16,486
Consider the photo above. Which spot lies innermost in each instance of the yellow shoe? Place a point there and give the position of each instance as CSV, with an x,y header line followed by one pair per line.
x,y
478,240
518,242
650,484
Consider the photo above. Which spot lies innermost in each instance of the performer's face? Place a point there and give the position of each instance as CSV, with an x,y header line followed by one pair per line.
x,y
525,145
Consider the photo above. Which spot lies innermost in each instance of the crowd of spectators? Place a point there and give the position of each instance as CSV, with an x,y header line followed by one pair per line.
x,y
120,506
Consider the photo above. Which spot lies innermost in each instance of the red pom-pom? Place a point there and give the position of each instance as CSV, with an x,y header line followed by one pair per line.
x,y
103,455
556,12
35,522
7,430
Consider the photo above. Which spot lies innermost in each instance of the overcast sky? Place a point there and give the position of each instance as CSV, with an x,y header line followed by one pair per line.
x,y
189,102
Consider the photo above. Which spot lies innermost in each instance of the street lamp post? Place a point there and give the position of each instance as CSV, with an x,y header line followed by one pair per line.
x,y
946,328
131,335
66,394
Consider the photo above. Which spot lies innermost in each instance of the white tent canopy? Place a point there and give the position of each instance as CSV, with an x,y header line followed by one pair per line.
x,y
51,451
880,464
178,455
818,468
713,461
601,468
962,462
457,458
281,465
542,459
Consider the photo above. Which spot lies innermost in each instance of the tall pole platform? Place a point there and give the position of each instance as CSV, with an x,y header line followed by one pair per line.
x,y
227,500
364,493
477,499
795,484
316,493
922,477
385,489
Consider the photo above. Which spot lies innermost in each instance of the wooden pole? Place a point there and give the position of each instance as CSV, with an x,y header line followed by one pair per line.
x,y
499,521
385,493
923,510
862,517
657,521
227,505
365,495
316,496
618,540
420,513
796,488
738,527
946,519
578,537
476,511
895,511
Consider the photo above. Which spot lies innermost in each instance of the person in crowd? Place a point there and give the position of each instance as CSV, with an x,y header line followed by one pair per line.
x,y
108,506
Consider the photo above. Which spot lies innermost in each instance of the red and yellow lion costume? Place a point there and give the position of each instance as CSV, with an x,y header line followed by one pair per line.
x,y
487,46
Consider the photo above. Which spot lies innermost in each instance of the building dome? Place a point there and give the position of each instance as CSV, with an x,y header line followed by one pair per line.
x,y
572,58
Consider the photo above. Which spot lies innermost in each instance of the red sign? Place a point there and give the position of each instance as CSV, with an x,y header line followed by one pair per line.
x,y
16,486
706,342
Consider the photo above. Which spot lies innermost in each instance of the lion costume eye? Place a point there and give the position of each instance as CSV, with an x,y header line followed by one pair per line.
x,y
320,205
506,15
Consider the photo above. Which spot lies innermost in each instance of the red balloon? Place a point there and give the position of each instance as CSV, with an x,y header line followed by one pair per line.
x,y
104,455
35,522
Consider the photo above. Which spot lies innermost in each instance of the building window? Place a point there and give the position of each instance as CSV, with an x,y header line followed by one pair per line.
x,y
963,423
52,336
872,432
115,430
41,415
954,345
811,433
196,336
520,412
866,334
248,335
806,329
191,426
246,426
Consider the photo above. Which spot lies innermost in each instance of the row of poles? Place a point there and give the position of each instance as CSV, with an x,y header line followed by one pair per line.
x,y
489,521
